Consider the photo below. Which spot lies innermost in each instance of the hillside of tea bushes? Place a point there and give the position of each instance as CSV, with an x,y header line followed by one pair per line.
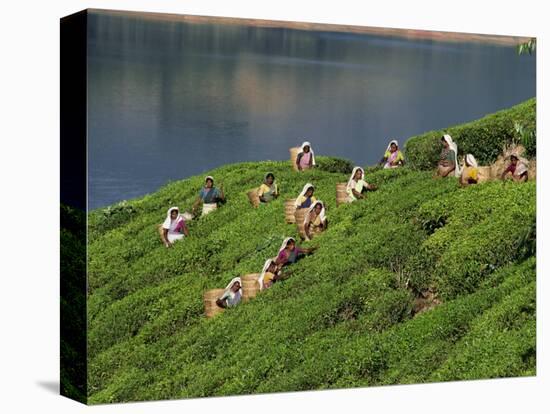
x,y
349,314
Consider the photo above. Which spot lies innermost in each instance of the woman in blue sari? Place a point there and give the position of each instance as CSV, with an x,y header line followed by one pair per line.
x,y
209,196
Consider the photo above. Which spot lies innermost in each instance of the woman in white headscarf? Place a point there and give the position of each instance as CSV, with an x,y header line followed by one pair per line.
x,y
517,169
315,220
209,196
289,252
448,161
306,157
470,171
173,228
269,275
357,185
393,157
232,294
268,191
306,198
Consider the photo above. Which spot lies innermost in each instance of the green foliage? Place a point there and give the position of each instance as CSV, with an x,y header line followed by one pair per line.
x,y
113,216
528,47
73,303
485,137
344,317
527,136
334,165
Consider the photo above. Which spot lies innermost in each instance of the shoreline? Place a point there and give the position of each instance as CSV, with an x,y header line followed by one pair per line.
x,y
413,34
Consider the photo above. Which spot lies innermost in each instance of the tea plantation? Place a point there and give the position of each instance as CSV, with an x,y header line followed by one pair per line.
x,y
347,317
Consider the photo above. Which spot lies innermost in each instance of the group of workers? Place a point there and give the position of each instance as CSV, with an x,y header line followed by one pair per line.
x,y
468,174
315,221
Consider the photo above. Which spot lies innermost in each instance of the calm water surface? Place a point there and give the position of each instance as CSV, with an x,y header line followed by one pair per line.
x,y
168,100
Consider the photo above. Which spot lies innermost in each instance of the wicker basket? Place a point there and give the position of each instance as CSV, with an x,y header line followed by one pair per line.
x,y
341,193
300,216
532,172
484,174
293,155
210,297
254,198
251,287
290,209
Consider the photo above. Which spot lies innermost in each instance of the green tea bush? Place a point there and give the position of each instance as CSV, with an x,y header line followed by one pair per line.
x,y
485,137
334,165
343,318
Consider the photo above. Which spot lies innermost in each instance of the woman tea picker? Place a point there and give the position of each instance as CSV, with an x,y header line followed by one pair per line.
x,y
448,163
305,198
393,157
270,274
357,185
289,252
315,220
470,171
306,157
173,228
268,191
210,196
517,169
232,294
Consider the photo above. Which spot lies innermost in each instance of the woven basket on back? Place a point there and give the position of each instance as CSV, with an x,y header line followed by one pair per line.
x,y
251,287
341,193
254,198
294,151
209,299
290,209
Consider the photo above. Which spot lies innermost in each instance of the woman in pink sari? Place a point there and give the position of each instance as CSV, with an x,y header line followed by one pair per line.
x,y
306,157
393,157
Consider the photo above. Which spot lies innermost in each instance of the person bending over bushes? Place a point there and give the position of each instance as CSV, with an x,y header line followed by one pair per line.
x,y
173,228
209,196
268,191
357,185
306,157
470,171
448,163
315,220
516,170
290,253
305,198
271,274
232,294
393,157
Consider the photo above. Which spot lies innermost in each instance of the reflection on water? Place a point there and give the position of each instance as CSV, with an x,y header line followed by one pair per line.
x,y
171,99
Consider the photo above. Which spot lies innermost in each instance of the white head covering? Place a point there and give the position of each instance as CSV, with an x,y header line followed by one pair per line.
x,y
351,180
454,147
264,270
307,143
211,178
471,161
235,279
393,141
274,180
168,220
232,294
303,193
285,242
322,215
521,168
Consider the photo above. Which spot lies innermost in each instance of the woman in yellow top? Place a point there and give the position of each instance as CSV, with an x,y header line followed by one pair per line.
x,y
268,191
393,157
470,171
306,197
315,221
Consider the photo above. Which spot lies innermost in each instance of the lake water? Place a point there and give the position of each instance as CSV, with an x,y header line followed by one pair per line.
x,y
168,100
